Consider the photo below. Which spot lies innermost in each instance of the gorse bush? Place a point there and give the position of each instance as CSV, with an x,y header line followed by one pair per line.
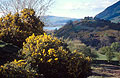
x,y
44,48
78,65
17,27
46,56
50,57
42,55
16,69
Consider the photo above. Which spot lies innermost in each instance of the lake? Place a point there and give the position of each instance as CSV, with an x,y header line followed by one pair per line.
x,y
52,28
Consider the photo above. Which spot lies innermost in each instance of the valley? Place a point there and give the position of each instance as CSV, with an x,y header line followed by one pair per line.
x,y
38,46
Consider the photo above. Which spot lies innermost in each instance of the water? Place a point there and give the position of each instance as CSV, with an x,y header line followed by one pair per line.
x,y
52,28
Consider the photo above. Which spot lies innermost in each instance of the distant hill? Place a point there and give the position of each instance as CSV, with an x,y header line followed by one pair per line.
x,y
56,20
111,13
92,32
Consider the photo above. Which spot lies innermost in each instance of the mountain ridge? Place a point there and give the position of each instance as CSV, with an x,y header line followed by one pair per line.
x,y
111,13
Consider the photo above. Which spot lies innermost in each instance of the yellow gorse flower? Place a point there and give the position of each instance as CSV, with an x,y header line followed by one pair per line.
x,y
49,60
88,59
56,59
43,47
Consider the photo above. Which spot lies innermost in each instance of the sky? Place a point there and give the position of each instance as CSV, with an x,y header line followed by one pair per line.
x,y
79,8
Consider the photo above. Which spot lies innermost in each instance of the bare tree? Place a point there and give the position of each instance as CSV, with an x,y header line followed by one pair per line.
x,y
13,6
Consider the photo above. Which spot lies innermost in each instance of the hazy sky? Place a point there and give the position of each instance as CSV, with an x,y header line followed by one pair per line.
x,y
79,8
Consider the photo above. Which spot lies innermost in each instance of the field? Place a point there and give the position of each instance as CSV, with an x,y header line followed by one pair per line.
x,y
105,71
101,68
103,57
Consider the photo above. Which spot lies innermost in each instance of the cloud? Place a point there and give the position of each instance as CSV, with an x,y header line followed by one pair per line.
x,y
1,14
81,8
90,5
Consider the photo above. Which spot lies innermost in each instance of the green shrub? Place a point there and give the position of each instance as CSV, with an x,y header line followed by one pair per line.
x,y
108,51
118,56
81,47
115,46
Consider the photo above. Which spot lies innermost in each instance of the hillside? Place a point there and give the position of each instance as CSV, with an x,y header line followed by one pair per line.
x,y
95,33
111,13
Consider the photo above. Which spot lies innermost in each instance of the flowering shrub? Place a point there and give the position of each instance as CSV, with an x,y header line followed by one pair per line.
x,y
16,28
42,56
46,56
79,65
43,47
16,69
44,53
50,57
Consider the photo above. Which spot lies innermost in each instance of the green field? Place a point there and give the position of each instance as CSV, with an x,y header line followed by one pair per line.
x,y
103,57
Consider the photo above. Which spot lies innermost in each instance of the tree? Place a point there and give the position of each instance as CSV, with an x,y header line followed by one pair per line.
x,y
107,50
115,46
109,55
81,47
70,22
13,6
118,56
